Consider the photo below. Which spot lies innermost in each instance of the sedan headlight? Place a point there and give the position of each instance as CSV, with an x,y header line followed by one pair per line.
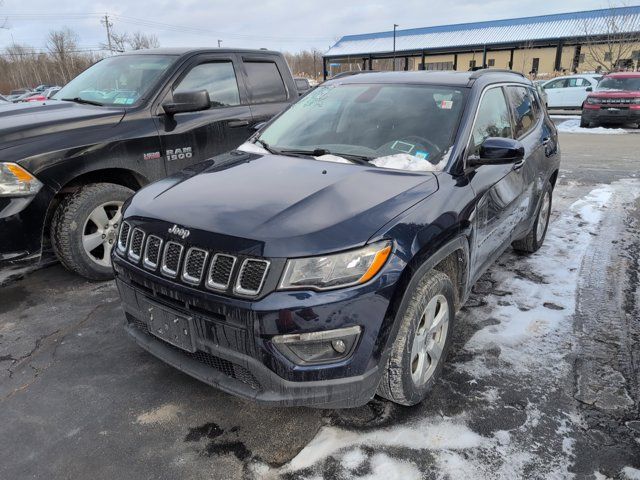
x,y
16,181
336,270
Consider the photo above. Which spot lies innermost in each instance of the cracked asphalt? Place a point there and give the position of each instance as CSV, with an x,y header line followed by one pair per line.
x,y
78,399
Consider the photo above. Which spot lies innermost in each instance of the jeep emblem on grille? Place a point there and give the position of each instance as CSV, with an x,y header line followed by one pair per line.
x,y
181,232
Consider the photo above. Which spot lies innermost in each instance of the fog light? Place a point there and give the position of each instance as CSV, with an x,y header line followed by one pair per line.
x,y
318,347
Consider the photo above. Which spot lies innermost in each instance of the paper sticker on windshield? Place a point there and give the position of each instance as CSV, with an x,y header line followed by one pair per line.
x,y
120,100
421,154
446,104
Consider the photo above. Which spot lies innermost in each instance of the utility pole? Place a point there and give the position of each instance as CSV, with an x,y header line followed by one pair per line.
x,y
219,43
105,22
395,25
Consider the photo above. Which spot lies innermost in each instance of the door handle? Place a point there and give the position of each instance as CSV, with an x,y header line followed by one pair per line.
x,y
519,164
238,123
546,140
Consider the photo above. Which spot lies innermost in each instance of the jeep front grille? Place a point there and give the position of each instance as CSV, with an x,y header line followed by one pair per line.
x,y
220,271
135,246
251,277
171,259
123,238
152,251
194,264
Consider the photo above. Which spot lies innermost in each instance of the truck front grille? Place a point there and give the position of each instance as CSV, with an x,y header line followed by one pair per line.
x,y
123,238
194,265
152,252
220,271
171,259
135,246
252,275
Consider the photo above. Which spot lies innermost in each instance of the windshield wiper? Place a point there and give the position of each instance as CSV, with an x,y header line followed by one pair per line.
x,y
266,146
318,152
83,101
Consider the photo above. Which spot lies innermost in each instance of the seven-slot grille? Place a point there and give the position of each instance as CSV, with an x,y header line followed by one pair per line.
x,y
171,259
191,267
135,245
194,265
152,252
123,238
220,271
251,277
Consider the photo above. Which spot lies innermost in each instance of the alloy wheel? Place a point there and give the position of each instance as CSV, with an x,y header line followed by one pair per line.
x,y
100,232
429,340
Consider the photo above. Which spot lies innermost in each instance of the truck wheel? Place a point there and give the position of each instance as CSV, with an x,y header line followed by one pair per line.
x,y
417,356
534,239
584,123
85,226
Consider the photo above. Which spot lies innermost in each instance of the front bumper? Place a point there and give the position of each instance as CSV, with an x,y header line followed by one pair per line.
x,y
611,115
233,338
22,221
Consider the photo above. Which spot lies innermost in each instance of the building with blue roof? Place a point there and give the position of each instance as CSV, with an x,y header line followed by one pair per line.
x,y
595,40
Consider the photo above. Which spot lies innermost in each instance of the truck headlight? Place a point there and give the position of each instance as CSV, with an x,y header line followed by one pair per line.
x,y
15,181
593,100
336,270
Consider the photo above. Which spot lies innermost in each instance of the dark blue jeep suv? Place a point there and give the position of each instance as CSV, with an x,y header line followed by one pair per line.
x,y
324,260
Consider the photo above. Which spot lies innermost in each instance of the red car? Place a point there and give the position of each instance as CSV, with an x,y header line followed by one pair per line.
x,y
616,99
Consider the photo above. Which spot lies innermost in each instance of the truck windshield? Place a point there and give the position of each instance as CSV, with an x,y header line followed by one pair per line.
x,y
370,121
121,80
619,83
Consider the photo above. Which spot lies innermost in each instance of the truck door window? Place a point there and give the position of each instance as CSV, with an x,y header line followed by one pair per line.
x,y
265,82
493,119
217,78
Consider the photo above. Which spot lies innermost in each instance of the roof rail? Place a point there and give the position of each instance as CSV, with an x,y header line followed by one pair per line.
x,y
482,71
351,72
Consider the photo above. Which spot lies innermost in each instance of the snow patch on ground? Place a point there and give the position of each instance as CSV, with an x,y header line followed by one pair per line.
x,y
631,473
573,126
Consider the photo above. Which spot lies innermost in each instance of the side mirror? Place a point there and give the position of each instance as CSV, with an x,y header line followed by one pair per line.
x,y
589,89
190,101
497,151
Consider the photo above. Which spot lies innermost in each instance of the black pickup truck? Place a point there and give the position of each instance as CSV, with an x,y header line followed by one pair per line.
x,y
68,164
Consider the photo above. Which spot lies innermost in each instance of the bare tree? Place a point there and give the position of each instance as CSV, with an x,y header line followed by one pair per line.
x,y
611,41
62,44
142,41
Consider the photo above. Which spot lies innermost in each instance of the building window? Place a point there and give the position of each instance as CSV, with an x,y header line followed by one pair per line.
x,y
635,55
440,66
581,58
607,56
535,65
472,64
491,62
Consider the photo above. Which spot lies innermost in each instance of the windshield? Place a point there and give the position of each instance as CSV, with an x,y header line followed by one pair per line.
x,y
121,80
371,121
619,83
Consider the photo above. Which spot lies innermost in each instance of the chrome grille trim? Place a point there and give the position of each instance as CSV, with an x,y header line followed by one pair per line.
x,y
220,286
166,270
135,256
124,227
186,277
244,291
148,262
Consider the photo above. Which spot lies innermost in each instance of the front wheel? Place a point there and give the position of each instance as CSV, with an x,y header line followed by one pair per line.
x,y
418,353
85,227
584,123
534,239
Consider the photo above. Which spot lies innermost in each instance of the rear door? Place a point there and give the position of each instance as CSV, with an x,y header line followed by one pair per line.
x,y
191,137
555,92
576,92
267,90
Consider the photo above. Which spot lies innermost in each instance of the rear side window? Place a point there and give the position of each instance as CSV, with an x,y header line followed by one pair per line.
x,y
493,119
265,82
218,78
521,100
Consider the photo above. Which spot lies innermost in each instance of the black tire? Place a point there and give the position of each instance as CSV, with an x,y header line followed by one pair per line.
x,y
533,241
584,123
70,222
397,383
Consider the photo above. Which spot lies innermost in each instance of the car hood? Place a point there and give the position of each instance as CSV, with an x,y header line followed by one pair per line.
x,y
282,206
21,122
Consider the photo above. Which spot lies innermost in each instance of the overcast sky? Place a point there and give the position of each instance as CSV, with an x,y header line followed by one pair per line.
x,y
275,24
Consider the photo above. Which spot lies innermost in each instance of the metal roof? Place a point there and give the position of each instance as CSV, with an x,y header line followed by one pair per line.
x,y
495,32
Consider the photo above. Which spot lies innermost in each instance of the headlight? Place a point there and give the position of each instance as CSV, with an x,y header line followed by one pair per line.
x,y
337,270
593,100
16,181
635,101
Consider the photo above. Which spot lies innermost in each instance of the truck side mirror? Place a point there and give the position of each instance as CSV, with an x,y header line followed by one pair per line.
x,y
498,151
189,101
589,89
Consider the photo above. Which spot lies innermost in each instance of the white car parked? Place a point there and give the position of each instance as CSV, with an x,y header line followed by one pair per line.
x,y
570,91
